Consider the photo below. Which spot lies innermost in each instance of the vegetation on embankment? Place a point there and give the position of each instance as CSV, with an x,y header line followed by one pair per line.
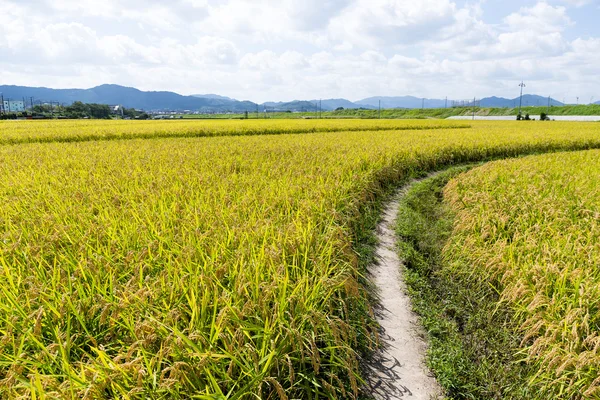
x,y
416,113
591,109
502,265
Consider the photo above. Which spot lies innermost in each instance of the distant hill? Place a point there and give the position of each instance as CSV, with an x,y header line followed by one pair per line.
x,y
170,101
212,96
402,102
313,105
497,102
333,104
416,102
296,105
128,97
528,100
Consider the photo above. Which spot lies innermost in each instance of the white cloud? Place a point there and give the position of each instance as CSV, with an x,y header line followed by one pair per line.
x,y
541,18
266,50
370,23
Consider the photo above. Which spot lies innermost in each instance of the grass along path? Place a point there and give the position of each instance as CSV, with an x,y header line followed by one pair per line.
x,y
452,312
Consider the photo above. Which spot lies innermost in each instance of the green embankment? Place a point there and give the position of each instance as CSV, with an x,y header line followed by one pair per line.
x,y
417,113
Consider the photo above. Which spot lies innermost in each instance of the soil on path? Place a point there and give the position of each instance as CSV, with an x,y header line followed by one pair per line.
x,y
398,370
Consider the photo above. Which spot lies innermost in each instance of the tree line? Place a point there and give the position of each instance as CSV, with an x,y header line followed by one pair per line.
x,y
77,110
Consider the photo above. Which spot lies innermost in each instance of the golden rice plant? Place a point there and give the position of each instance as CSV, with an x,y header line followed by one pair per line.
x,y
531,228
12,132
212,267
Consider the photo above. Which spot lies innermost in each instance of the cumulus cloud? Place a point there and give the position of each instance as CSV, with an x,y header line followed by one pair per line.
x,y
265,50
541,18
383,22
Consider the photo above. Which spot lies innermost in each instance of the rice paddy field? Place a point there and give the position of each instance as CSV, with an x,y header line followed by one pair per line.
x,y
531,228
86,130
214,260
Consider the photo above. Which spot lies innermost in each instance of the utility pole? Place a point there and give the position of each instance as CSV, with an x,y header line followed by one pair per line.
x,y
320,108
257,111
2,104
577,100
473,108
423,104
379,109
548,104
8,103
31,98
521,97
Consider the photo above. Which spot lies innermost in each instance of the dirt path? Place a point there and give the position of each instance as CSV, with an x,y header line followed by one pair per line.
x,y
398,370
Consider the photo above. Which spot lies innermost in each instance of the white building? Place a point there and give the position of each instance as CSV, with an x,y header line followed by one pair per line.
x,y
117,110
13,106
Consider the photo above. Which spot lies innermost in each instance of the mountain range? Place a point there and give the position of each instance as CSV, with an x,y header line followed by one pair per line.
x,y
528,100
170,101
128,97
212,96
402,102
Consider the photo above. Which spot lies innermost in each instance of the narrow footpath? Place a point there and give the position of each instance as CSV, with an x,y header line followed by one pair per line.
x,y
398,371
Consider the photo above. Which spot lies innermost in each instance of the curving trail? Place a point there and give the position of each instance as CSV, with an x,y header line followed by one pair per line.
x,y
398,370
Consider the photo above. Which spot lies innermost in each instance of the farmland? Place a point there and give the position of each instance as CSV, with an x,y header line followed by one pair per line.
x,y
212,259
14,132
532,228
506,276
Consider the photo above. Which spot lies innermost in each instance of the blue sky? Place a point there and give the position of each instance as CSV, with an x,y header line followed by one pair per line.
x,y
584,17
286,49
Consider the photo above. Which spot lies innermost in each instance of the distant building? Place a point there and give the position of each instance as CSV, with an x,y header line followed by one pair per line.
x,y
13,106
116,110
